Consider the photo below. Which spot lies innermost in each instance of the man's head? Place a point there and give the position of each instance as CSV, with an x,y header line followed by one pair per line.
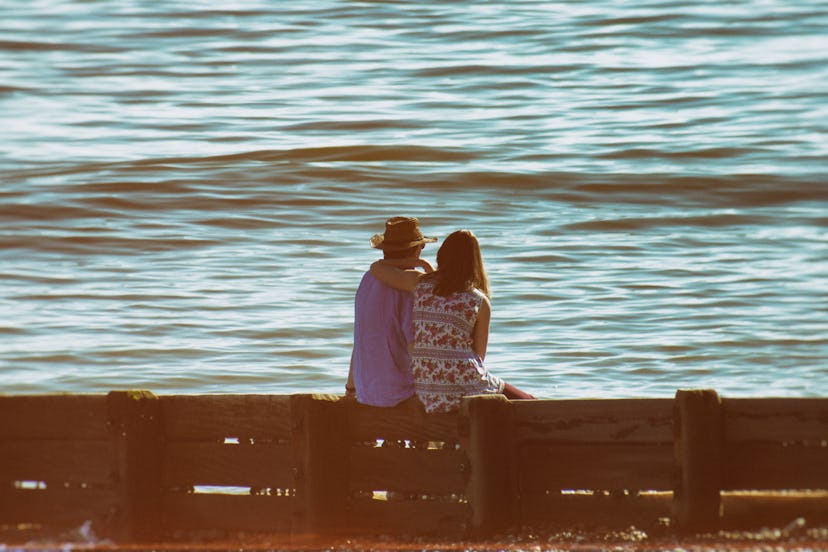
x,y
402,238
410,253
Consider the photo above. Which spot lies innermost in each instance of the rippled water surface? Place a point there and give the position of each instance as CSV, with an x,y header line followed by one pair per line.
x,y
187,189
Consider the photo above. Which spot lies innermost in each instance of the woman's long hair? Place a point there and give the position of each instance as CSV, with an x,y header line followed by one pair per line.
x,y
460,265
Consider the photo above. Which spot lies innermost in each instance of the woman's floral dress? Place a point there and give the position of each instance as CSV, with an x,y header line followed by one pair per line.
x,y
445,366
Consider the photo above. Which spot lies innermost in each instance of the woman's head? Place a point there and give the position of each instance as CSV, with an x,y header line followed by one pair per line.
x,y
460,264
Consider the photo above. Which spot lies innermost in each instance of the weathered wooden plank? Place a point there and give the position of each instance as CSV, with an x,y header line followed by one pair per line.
x,y
204,511
611,511
772,419
698,450
215,417
408,469
262,465
407,421
62,417
774,466
595,466
320,440
383,517
56,461
56,506
137,445
753,510
595,420
493,481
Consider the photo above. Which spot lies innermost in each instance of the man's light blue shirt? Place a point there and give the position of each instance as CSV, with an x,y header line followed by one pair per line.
x,y
382,331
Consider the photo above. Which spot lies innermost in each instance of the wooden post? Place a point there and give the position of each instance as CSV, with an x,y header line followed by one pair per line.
x,y
320,437
492,486
136,428
698,445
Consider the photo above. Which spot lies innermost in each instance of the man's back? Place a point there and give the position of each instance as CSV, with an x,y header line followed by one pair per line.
x,y
382,331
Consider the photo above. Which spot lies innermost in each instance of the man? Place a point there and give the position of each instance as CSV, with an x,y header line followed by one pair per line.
x,y
380,372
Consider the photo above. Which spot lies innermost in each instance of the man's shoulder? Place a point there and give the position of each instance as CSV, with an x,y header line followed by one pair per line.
x,y
367,276
369,282
370,287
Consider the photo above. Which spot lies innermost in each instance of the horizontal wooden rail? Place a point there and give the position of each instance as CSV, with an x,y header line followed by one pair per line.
x,y
143,467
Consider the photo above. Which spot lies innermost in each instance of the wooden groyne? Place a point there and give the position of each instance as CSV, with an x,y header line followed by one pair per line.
x,y
141,466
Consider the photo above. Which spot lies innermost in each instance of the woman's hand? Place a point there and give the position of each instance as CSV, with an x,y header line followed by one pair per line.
x,y
425,265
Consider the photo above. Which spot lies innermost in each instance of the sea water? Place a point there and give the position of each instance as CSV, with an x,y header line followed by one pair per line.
x,y
187,189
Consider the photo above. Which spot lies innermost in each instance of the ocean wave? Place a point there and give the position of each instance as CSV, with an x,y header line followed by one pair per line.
x,y
40,46
638,223
699,153
100,245
268,179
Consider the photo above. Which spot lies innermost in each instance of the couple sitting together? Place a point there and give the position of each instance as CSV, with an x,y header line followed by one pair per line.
x,y
419,330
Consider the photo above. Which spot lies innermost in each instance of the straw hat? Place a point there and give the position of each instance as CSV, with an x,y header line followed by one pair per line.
x,y
400,233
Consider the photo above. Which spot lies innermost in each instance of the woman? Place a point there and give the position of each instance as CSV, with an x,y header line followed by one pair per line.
x,y
451,323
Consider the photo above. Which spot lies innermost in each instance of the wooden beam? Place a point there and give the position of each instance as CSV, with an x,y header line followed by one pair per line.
x,y
600,466
227,512
406,421
698,448
409,517
216,417
321,439
595,420
56,463
137,446
492,484
767,466
565,511
776,419
411,470
261,466
57,507
61,417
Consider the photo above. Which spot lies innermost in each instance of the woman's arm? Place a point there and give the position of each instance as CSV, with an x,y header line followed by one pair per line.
x,y
399,273
409,262
480,334
481,340
513,392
